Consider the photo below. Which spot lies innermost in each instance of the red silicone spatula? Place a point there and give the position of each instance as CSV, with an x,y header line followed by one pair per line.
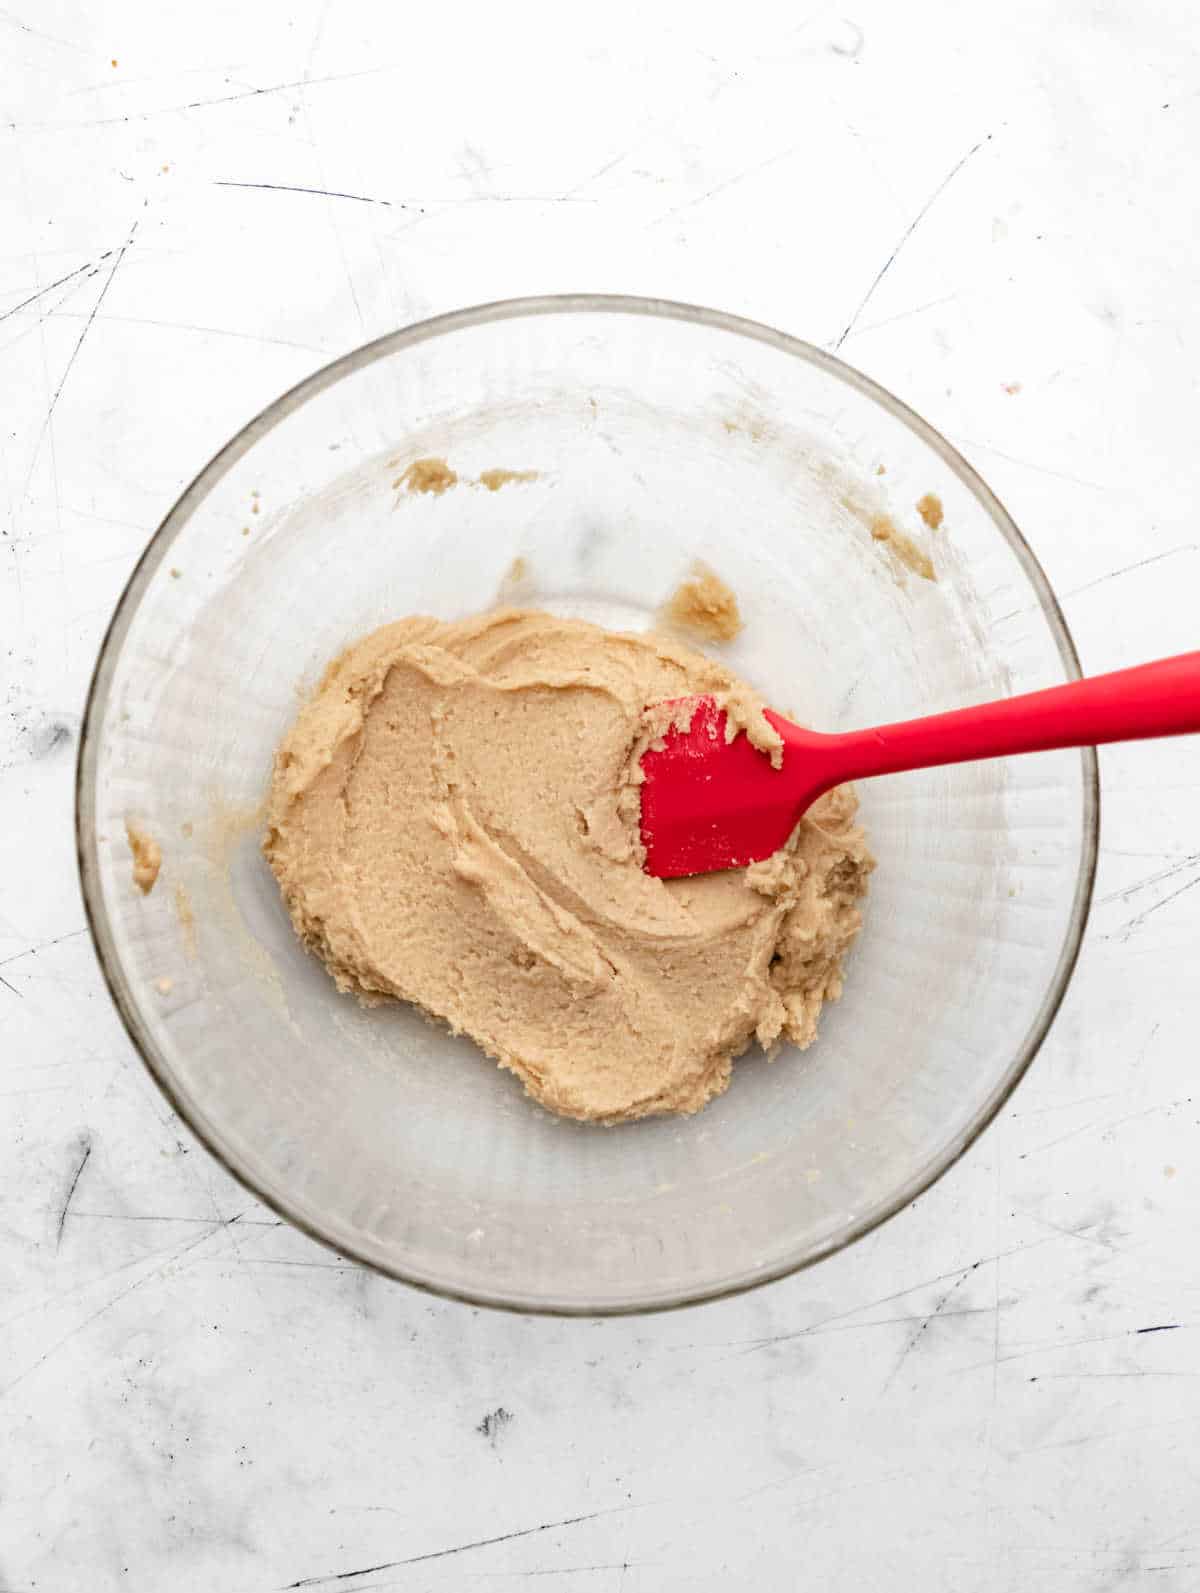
x,y
710,804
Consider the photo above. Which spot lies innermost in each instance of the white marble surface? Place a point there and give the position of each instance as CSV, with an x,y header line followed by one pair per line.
x,y
200,205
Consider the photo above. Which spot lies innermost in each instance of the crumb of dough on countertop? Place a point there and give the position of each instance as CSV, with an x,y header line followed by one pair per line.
x,y
931,511
147,857
884,529
702,605
454,822
493,480
427,475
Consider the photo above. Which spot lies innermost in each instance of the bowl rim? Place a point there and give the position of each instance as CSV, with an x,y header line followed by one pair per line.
x,y
277,1199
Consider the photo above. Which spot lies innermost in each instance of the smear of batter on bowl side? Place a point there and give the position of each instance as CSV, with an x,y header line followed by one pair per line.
x,y
453,821
493,480
187,918
427,475
702,605
931,511
147,857
516,583
437,476
884,529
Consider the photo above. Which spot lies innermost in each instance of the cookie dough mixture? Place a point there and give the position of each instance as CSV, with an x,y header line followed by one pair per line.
x,y
704,606
453,822
147,857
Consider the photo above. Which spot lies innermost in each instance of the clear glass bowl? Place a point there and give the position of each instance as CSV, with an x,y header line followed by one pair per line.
x,y
660,434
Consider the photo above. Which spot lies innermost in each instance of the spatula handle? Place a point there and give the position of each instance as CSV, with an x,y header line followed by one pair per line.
x,y
1161,699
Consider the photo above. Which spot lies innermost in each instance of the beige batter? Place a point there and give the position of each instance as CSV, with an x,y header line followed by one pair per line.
x,y
929,507
702,605
884,529
427,475
147,857
435,475
493,480
453,821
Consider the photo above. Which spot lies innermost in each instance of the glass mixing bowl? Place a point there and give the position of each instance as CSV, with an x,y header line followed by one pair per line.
x,y
659,434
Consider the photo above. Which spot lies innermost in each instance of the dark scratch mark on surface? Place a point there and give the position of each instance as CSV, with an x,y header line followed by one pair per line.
x,y
936,1312
750,1346
123,1294
1125,569
1104,1377
1099,580
1108,575
456,203
42,946
53,38
578,1570
1129,929
323,193
206,1222
826,1322
1107,1128
1150,879
441,1554
340,1576
494,1423
1071,1233
47,738
50,287
966,443
907,234
1067,1106
87,326
19,994
86,1146
201,105
904,315
1053,1348
1161,1327
204,331
601,171
730,182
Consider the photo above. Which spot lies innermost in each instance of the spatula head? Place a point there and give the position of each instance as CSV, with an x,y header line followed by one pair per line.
x,y
709,802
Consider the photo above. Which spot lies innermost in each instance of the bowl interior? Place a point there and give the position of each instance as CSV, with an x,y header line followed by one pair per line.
x,y
657,436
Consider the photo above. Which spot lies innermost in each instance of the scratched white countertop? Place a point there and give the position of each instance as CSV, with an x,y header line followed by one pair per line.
x,y
992,211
